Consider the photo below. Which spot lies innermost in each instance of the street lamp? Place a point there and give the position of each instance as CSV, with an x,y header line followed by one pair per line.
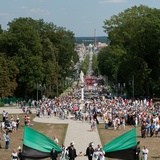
x,y
38,88
133,86
132,82
119,87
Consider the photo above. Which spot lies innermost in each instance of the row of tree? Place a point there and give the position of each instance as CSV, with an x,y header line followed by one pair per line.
x,y
133,51
85,64
33,52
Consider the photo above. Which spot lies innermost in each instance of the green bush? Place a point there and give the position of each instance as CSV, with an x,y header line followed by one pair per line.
x,y
1,104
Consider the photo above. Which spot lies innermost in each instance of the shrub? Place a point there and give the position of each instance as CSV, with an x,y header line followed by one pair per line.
x,y
1,104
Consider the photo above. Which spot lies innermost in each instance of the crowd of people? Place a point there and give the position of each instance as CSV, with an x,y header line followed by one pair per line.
x,y
116,113
9,124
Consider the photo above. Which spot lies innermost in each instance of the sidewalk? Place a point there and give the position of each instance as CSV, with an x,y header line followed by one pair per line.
x,y
77,131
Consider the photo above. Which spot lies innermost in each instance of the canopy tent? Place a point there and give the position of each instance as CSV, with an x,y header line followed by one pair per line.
x,y
122,147
36,145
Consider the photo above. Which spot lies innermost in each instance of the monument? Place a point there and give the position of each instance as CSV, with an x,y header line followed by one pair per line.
x,y
82,90
82,77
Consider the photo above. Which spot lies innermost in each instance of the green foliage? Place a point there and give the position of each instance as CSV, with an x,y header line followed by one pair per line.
x,y
1,104
110,59
134,49
8,74
36,53
85,65
95,65
1,30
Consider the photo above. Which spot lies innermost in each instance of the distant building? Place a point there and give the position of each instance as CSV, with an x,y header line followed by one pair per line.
x,y
101,45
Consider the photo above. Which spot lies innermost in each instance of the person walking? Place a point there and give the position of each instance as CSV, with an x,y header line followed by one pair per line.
x,y
7,140
95,154
14,155
53,154
93,125
55,139
101,154
3,116
152,129
89,151
123,123
157,128
17,123
106,122
145,153
72,151
64,154
20,156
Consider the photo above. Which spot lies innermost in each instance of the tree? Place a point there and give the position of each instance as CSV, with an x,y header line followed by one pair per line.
x,y
8,73
109,61
137,32
1,30
95,65
42,52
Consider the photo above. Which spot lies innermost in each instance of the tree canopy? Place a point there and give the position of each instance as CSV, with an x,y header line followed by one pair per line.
x,y
35,52
134,49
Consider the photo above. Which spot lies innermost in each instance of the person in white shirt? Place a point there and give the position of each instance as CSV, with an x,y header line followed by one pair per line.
x,y
56,140
64,154
114,123
14,155
144,153
3,116
157,129
95,154
118,123
123,123
136,121
101,154
13,123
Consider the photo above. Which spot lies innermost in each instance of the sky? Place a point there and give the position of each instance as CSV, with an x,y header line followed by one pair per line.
x,y
82,17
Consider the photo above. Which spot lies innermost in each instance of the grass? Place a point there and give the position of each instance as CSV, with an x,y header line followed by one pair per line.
x,y
50,130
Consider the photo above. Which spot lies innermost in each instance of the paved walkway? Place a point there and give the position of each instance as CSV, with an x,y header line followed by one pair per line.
x,y
77,131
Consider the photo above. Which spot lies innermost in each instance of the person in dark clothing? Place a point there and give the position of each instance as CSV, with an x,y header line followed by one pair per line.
x,y
95,117
72,152
143,130
137,153
89,151
54,154
152,129
20,154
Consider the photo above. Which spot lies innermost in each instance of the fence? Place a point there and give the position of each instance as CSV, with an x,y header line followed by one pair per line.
x,y
11,100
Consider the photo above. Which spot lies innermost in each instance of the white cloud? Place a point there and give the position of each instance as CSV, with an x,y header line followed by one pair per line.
x,y
112,1
39,11
4,15
23,7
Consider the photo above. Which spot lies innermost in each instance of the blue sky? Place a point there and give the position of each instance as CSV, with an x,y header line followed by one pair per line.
x,y
81,17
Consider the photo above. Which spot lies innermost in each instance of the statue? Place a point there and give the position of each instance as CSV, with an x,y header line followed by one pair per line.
x,y
82,77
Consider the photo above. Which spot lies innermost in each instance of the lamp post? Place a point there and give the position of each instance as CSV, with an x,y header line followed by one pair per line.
x,y
38,88
57,68
133,86
132,83
121,87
